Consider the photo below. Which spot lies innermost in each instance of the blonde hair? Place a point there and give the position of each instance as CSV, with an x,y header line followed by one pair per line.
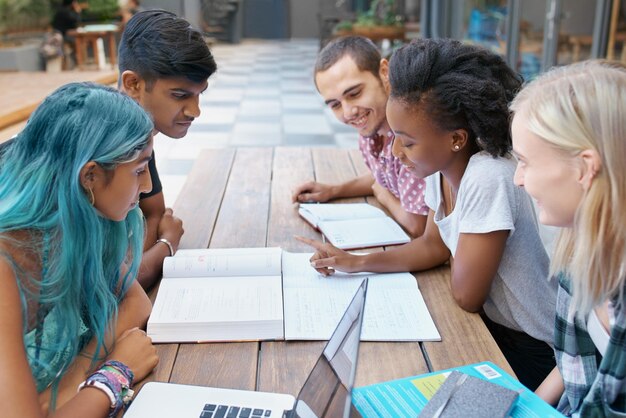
x,y
574,108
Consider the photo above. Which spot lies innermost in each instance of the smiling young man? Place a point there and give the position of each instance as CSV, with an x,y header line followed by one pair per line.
x,y
164,65
351,77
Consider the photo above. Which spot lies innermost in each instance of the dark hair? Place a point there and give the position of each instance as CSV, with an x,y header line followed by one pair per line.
x,y
360,49
460,86
158,44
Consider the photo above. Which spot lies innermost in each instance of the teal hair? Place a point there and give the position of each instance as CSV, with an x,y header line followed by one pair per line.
x,y
87,261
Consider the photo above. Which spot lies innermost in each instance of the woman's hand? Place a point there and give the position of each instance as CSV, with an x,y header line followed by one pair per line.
x,y
328,258
171,228
134,348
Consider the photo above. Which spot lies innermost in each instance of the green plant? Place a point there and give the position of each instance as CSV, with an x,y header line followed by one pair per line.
x,y
24,15
380,13
343,25
100,10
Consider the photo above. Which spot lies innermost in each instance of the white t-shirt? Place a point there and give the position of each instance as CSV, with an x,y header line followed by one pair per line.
x,y
521,297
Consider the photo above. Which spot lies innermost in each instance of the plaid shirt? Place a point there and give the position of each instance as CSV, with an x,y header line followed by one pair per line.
x,y
392,175
595,386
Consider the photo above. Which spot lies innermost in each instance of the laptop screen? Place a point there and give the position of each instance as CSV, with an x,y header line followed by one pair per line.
x,y
327,390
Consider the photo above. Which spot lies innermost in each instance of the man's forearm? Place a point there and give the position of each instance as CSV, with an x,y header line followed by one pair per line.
x,y
358,186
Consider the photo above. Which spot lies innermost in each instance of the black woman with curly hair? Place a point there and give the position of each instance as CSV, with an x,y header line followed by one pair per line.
x,y
449,110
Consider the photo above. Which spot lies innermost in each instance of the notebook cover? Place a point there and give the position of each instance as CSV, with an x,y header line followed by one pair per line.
x,y
473,398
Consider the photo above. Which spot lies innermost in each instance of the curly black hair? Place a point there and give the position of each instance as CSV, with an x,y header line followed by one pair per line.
x,y
460,86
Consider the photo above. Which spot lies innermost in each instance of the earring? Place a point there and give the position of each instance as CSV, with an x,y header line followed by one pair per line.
x,y
92,198
457,147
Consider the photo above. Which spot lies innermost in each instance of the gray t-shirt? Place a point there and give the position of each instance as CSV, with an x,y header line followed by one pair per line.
x,y
521,296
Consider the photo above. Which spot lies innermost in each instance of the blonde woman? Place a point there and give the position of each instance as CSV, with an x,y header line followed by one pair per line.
x,y
569,132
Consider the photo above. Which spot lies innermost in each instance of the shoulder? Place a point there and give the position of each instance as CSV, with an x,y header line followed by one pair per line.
x,y
497,167
487,175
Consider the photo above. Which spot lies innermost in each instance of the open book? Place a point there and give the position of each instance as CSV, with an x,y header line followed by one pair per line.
x,y
266,293
353,225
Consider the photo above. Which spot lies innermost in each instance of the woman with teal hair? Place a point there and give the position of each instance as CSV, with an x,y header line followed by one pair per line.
x,y
70,246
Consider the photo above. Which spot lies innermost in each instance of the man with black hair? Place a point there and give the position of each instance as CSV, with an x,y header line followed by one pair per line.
x,y
164,64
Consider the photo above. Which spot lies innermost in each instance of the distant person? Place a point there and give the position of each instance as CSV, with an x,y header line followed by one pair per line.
x,y
352,78
67,17
70,247
164,65
449,110
569,135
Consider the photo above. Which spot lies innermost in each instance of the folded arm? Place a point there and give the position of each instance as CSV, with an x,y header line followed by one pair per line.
x,y
552,388
413,223
160,223
18,392
133,312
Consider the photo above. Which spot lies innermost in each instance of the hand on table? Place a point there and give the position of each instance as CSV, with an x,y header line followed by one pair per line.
x,y
312,191
328,258
134,348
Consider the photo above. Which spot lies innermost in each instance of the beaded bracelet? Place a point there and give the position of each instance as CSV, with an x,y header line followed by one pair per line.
x,y
114,379
110,386
124,375
121,368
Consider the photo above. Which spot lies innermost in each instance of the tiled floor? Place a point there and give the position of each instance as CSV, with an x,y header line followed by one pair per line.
x,y
262,95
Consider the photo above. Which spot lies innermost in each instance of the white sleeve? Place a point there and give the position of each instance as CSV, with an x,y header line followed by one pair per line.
x,y
431,195
488,199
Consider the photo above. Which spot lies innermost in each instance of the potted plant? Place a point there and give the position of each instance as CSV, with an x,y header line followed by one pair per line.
x,y
343,28
380,21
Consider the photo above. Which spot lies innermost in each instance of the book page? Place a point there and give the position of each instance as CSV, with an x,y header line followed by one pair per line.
x,y
223,262
192,309
315,213
363,233
314,304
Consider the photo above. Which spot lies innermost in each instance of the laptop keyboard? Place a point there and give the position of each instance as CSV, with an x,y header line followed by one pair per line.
x,y
225,411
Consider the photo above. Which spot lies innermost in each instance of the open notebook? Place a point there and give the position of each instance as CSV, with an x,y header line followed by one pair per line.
x,y
266,293
326,393
353,225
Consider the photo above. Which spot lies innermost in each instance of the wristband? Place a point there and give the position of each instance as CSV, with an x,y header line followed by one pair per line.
x,y
169,245
114,379
103,387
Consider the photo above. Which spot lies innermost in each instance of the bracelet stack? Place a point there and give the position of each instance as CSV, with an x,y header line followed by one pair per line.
x,y
114,379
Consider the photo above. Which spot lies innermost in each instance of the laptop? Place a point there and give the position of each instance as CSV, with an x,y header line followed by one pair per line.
x,y
325,393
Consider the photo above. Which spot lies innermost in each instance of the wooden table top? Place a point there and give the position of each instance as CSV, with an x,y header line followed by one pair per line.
x,y
242,198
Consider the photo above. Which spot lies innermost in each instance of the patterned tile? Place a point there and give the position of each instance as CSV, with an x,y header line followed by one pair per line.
x,y
172,185
216,115
308,140
257,128
260,107
301,101
246,139
262,95
306,124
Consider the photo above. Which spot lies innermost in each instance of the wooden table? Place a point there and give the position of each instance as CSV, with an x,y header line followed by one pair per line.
x,y
241,198
89,35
